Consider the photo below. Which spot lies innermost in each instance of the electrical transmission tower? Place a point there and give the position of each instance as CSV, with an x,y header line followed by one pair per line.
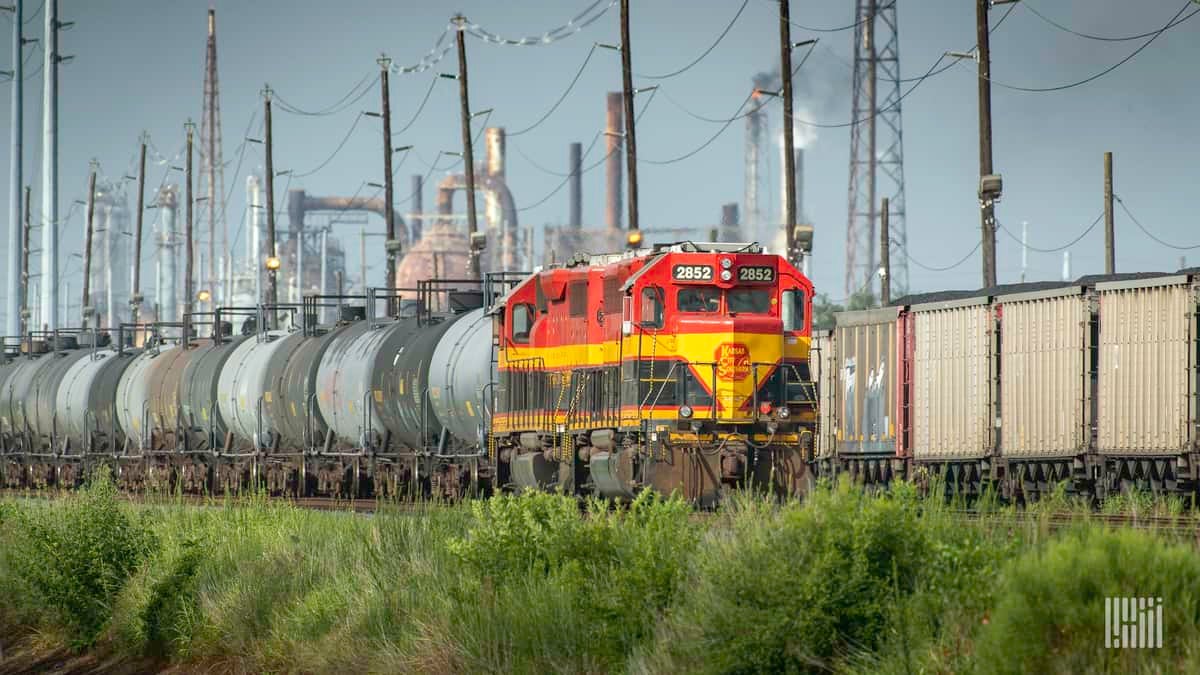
x,y
212,175
876,150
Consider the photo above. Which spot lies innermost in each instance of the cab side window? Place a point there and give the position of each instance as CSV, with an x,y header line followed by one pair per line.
x,y
793,309
652,307
521,322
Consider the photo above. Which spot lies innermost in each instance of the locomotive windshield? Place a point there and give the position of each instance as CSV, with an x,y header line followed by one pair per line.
x,y
749,301
699,299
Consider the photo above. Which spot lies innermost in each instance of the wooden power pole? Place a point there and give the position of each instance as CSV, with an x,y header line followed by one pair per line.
x,y
391,244
135,300
789,141
86,309
189,292
1110,244
987,212
468,152
630,122
272,256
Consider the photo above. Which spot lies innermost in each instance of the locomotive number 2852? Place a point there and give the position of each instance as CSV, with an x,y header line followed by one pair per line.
x,y
692,273
756,274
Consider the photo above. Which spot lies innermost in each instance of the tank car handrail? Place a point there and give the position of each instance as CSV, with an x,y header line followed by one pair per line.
x,y
309,439
144,441
367,419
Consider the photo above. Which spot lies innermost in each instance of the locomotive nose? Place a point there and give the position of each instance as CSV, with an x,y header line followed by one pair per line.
x,y
745,355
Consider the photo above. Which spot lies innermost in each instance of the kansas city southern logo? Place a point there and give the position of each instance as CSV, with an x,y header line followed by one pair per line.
x,y
733,361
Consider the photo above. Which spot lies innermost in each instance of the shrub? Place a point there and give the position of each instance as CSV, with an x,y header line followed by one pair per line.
x,y
1049,614
794,590
74,558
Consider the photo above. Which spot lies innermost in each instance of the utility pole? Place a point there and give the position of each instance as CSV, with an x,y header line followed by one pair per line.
x,y
86,309
468,153
789,141
987,210
24,291
12,320
885,258
135,300
188,292
630,134
1110,245
272,258
391,245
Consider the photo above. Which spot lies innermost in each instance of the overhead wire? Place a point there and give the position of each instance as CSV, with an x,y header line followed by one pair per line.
x,y
583,169
420,108
1056,249
934,268
561,98
948,66
1070,85
336,150
1099,38
575,24
1141,227
366,84
706,52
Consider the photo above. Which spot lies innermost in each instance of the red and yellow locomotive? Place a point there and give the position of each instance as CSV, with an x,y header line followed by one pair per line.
x,y
681,367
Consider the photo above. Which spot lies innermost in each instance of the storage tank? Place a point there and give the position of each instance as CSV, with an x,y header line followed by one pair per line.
x,y
42,403
461,375
198,393
386,368
292,375
242,385
17,399
87,399
136,390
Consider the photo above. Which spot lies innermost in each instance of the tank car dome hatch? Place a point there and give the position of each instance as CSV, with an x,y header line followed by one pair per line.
x,y
352,313
441,253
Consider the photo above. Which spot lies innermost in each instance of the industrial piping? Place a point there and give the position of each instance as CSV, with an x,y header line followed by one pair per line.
x,y
300,203
496,188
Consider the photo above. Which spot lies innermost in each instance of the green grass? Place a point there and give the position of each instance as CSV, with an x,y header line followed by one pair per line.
x,y
844,582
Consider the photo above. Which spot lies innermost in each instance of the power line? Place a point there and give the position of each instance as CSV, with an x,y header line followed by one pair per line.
x,y
428,92
563,97
582,171
1056,249
934,268
948,66
1099,38
1148,233
1111,68
336,107
706,52
574,25
342,144
738,115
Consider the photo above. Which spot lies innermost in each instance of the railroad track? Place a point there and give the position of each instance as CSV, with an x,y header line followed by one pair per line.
x,y
312,503
1187,525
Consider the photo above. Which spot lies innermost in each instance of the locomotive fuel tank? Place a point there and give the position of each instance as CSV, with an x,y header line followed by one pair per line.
x,y
198,391
243,391
87,398
461,373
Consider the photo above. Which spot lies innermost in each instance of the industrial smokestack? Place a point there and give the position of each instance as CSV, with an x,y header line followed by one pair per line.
x,y
254,240
168,255
614,129
418,209
574,169
492,212
729,223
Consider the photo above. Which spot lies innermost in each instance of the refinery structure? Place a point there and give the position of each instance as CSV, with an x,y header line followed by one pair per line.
x,y
326,244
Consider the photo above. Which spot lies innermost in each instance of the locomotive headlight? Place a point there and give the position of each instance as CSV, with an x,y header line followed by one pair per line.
x,y
685,411
783,412
726,263
726,275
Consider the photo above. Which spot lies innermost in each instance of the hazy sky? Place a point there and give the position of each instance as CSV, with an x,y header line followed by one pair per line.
x,y
139,65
